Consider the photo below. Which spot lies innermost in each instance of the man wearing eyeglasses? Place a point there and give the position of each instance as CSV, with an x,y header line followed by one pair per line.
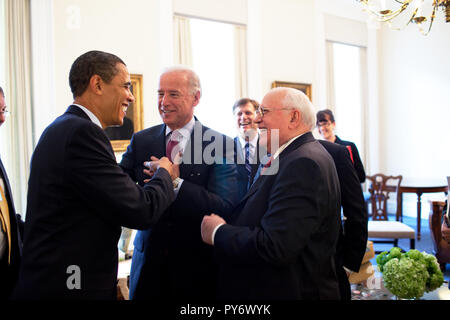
x,y
281,244
10,240
3,111
326,125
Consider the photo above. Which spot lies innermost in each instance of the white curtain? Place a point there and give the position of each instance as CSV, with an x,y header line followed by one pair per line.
x,y
240,47
18,84
182,41
364,107
43,65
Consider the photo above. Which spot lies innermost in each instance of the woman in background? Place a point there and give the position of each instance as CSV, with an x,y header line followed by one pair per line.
x,y
326,125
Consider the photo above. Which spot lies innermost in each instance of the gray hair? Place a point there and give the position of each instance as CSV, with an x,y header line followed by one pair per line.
x,y
193,78
296,99
1,92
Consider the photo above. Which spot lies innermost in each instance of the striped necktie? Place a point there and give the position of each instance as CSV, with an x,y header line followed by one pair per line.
x,y
5,223
265,163
172,147
248,167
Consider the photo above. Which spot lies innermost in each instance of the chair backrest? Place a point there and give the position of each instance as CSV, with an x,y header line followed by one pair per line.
x,y
448,196
380,188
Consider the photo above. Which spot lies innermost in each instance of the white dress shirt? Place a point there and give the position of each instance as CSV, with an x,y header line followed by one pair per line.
x,y
89,113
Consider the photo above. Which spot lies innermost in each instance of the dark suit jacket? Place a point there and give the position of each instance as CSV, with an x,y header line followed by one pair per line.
x,y
356,158
78,197
9,271
282,242
170,260
353,234
243,179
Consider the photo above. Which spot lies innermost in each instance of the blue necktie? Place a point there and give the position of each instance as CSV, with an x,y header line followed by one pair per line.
x,y
264,164
248,167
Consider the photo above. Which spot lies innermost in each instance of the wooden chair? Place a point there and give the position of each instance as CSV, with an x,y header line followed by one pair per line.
x,y
379,226
441,247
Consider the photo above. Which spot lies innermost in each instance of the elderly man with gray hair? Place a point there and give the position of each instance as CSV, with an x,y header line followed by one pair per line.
x,y
282,243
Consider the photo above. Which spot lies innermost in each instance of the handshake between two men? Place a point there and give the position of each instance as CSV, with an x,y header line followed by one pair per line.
x,y
163,162
210,223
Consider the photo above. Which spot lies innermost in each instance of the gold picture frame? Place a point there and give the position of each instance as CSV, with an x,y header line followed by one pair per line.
x,y
304,87
134,120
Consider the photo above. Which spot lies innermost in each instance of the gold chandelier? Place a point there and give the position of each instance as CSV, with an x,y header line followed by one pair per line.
x,y
379,10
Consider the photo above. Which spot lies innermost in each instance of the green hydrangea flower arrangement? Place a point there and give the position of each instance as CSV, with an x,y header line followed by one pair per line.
x,y
409,275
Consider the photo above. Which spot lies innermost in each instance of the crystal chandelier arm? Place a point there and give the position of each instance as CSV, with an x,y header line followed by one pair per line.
x,y
406,24
433,14
389,15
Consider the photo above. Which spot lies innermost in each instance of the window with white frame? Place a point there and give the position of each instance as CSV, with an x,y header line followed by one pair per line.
x,y
213,48
347,67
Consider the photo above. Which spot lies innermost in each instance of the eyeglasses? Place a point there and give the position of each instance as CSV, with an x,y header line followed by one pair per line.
x,y
326,123
262,111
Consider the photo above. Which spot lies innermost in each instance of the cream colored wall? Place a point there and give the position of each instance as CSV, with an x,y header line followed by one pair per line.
x,y
227,11
287,51
286,39
282,35
129,31
141,34
414,103
414,106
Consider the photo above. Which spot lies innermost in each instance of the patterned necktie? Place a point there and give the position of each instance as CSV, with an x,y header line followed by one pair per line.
x,y
263,166
4,220
248,167
172,147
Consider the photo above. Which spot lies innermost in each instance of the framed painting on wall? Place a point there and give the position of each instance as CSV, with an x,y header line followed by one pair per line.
x,y
304,87
133,121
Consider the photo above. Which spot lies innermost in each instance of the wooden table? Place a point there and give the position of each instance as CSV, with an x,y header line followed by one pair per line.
x,y
419,187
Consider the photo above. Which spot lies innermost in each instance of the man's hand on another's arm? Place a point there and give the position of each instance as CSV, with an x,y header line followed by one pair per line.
x,y
165,163
209,226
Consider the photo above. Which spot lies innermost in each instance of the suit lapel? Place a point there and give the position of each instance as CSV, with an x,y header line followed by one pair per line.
x,y
4,176
305,138
73,109
191,156
253,188
159,147
254,170
238,149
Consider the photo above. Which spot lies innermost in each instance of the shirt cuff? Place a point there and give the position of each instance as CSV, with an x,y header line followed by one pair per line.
x,y
214,232
177,189
348,270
